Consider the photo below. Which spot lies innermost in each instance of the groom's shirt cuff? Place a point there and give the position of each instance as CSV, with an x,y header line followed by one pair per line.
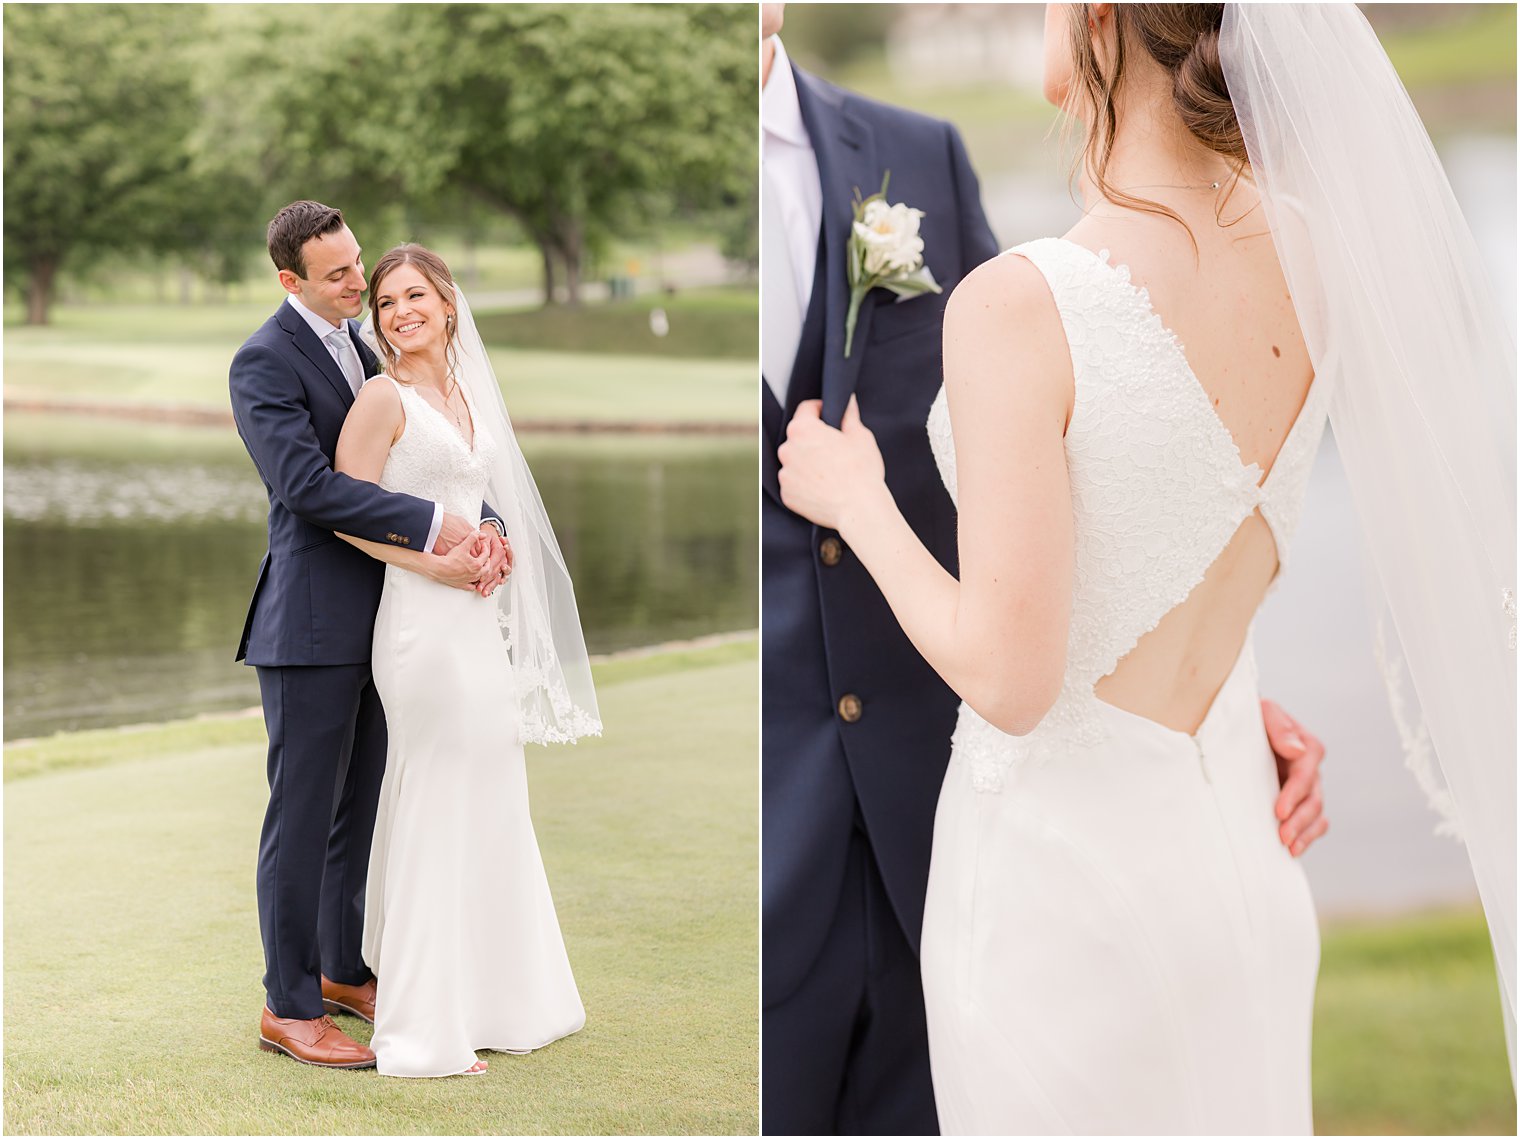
x,y
436,527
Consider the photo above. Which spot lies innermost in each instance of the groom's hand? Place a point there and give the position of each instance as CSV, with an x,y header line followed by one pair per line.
x,y
1300,803
455,529
462,566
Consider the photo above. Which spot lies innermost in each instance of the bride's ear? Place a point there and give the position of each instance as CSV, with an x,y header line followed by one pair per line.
x,y
1101,24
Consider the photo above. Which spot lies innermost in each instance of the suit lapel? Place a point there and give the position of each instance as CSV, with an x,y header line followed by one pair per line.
x,y
368,359
772,420
846,152
313,349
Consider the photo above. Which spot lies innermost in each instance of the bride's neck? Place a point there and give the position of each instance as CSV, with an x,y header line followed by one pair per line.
x,y
1153,149
428,368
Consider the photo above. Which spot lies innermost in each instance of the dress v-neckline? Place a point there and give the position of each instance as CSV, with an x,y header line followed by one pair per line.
x,y
468,444
1123,275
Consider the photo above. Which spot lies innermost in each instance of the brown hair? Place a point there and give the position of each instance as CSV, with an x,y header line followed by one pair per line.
x,y
1184,40
433,268
293,227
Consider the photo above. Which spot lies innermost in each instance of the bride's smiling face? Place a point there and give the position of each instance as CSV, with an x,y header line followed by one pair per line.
x,y
413,316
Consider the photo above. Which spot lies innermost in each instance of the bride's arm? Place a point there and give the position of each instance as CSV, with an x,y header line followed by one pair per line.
x,y
998,635
374,423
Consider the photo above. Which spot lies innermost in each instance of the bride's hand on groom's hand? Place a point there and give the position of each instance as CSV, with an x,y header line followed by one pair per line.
x,y
827,472
498,565
463,565
1300,804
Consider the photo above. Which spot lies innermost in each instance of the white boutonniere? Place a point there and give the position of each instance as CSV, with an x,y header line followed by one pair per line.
x,y
885,252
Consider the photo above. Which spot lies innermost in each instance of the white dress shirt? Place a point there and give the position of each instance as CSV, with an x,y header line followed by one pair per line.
x,y
341,350
791,216
353,370
791,167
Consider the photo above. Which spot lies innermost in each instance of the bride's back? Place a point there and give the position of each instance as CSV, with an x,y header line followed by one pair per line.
x,y
1230,310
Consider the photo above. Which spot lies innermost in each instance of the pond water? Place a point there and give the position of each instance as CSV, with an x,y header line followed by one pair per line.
x,y
131,553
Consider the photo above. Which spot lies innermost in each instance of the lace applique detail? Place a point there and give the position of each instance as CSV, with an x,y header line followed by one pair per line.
x,y
1508,597
431,459
942,443
1158,488
1414,737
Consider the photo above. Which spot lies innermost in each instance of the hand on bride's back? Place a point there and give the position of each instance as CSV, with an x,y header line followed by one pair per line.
x,y
462,566
826,471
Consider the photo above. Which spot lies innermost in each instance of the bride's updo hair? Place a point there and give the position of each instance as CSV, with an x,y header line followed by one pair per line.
x,y
436,273
1184,40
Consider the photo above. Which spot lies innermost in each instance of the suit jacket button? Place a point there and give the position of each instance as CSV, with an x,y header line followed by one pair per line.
x,y
830,550
850,708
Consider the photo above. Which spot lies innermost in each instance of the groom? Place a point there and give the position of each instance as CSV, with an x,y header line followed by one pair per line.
x,y
856,727
309,629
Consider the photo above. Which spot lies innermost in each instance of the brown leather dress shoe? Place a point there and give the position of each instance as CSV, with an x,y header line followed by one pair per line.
x,y
358,1000
319,1042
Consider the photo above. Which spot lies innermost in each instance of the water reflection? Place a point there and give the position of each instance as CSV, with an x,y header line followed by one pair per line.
x,y
128,574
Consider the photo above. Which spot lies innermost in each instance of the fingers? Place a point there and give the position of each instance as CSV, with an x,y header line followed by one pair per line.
x,y
1303,811
1302,780
1304,840
1282,731
851,418
808,409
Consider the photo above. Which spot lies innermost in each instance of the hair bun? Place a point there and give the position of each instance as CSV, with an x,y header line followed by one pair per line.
x,y
1203,97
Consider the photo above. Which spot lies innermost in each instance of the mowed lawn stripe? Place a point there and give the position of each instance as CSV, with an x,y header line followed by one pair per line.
x,y
133,959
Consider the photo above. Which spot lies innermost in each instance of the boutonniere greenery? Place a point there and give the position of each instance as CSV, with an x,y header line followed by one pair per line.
x,y
885,252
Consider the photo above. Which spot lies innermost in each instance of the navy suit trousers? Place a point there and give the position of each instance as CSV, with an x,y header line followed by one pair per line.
x,y
326,760
861,1010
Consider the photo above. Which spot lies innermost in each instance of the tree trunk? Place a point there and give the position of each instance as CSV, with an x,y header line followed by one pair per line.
x,y
41,277
572,251
547,253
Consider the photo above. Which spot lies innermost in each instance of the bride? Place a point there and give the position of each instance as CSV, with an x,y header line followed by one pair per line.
x,y
459,925
1114,940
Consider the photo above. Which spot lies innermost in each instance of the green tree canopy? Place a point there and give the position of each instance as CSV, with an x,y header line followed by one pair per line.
x,y
98,107
180,129
583,121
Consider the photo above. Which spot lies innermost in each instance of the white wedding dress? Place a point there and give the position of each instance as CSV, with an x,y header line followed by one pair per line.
x,y
1115,940
459,925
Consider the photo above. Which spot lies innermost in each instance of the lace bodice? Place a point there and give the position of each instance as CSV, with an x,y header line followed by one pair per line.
x,y
431,459
1158,489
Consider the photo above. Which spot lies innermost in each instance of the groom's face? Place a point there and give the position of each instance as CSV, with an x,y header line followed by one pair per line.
x,y
334,283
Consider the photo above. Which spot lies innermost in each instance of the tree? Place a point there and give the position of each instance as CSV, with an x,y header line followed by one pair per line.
x,y
583,121
97,109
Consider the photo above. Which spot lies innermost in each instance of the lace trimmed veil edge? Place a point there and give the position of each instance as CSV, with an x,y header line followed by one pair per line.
x,y
1397,315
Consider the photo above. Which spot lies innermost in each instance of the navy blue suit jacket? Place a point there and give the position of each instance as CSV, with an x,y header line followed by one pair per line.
x,y
316,596
827,630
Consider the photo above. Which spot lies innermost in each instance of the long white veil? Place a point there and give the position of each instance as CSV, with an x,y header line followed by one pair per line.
x,y
536,610
1399,319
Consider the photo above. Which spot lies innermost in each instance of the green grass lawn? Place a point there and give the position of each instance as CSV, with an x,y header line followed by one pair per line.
x,y
132,957
166,354
705,323
490,265
1408,1038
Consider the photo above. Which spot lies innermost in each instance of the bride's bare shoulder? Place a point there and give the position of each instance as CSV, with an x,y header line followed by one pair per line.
x,y
377,409
1002,322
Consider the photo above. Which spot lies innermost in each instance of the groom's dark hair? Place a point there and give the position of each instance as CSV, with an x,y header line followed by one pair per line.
x,y
294,226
